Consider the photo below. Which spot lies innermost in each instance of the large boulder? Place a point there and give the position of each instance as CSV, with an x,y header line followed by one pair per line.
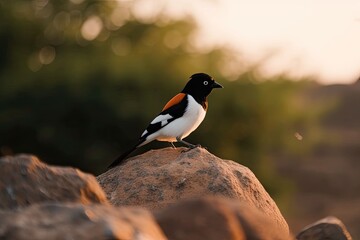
x,y
160,178
24,180
214,218
329,228
76,221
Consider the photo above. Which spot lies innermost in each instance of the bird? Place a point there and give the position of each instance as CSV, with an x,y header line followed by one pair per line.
x,y
179,117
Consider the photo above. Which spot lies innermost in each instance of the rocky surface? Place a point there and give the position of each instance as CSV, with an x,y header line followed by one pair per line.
x,y
24,180
215,218
193,195
329,228
77,221
160,178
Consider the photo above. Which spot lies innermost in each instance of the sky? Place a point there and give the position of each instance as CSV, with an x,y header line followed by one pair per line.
x,y
319,38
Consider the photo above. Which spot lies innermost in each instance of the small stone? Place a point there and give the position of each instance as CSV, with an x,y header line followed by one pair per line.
x,y
329,228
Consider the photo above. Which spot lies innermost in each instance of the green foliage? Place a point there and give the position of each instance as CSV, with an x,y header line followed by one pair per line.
x,y
77,102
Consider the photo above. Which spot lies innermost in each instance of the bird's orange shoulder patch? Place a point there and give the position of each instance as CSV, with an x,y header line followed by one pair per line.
x,y
205,105
175,100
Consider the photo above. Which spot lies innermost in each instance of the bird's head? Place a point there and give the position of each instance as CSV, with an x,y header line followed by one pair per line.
x,y
200,85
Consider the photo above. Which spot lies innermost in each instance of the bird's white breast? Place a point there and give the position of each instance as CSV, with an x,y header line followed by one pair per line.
x,y
183,126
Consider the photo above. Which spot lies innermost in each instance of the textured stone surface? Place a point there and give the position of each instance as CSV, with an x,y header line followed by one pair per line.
x,y
330,228
75,221
215,218
25,180
162,177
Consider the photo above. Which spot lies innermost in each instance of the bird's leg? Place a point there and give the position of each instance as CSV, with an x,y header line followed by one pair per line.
x,y
189,145
172,144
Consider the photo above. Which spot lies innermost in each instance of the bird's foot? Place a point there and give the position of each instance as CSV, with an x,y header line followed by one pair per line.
x,y
191,147
203,147
186,150
199,146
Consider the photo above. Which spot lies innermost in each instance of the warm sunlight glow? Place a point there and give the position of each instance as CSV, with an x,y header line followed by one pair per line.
x,y
91,28
319,38
119,17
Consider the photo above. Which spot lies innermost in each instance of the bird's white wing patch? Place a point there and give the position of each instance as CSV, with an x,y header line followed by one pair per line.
x,y
161,118
164,122
145,132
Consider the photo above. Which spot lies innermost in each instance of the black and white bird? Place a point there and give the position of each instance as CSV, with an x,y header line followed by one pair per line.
x,y
180,116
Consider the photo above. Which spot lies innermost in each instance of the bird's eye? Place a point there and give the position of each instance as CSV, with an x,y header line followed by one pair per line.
x,y
206,83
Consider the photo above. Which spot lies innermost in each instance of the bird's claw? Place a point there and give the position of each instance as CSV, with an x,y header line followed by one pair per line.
x,y
204,147
186,150
199,146
190,147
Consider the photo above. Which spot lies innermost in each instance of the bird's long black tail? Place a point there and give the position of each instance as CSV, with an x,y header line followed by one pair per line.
x,y
119,159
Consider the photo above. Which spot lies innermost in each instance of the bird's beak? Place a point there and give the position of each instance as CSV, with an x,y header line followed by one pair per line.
x,y
216,85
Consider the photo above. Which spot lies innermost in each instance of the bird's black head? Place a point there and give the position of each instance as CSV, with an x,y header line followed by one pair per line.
x,y
200,86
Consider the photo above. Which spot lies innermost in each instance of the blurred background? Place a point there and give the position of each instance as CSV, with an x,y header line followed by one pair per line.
x,y
81,79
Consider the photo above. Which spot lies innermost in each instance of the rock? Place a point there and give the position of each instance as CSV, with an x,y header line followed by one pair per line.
x,y
214,218
75,221
162,177
329,228
24,180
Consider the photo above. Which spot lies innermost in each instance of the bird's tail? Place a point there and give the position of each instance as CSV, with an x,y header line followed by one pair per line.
x,y
119,159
